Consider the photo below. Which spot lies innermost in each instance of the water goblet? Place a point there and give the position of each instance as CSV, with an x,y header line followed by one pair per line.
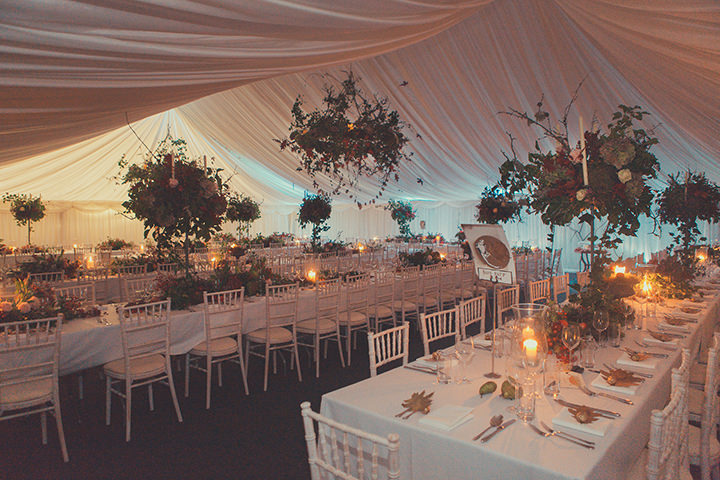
x,y
570,337
600,322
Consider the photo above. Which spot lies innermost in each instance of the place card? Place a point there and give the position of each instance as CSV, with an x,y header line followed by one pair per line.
x,y
447,417
600,382
649,363
565,420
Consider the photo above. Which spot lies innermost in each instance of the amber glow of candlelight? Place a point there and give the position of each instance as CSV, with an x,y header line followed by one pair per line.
x,y
619,269
311,275
361,247
530,347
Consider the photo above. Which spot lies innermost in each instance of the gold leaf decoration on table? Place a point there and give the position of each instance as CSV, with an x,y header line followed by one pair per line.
x,y
620,378
636,356
677,322
583,414
418,402
435,357
488,336
663,337
690,310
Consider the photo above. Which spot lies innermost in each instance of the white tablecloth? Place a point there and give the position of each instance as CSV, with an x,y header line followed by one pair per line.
x,y
86,343
518,452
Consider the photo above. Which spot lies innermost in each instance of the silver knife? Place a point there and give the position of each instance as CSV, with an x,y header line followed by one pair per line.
x,y
421,369
602,412
501,427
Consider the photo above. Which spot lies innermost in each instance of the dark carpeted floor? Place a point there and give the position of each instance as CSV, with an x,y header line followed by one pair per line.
x,y
259,436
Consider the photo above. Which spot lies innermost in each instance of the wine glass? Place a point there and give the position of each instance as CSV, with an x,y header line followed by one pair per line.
x,y
570,337
464,354
601,321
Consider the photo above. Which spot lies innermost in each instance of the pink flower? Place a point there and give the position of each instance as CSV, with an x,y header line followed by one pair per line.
x,y
6,306
24,307
173,182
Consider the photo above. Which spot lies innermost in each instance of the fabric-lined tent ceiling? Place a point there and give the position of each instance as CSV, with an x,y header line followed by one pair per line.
x,y
72,73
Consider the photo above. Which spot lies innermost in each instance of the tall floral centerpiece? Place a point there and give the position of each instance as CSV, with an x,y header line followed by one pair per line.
x,y
25,209
244,210
403,213
315,209
603,177
352,135
176,197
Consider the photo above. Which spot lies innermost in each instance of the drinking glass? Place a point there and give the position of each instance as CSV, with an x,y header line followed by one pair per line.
x,y
588,353
570,337
464,354
600,322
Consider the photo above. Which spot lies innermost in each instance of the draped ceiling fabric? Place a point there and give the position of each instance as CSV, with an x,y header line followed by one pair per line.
x,y
71,71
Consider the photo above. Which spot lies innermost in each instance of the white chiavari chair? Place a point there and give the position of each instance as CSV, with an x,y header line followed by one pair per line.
x,y
125,270
407,295
47,277
325,322
382,302
439,325
430,290
355,314
168,268
666,456
137,288
29,352
583,279
279,333
223,321
472,311
342,451
539,291
387,346
145,331
561,288
505,299
704,448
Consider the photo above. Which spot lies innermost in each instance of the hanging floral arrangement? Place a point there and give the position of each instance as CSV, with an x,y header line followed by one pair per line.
x,y
176,198
315,209
349,137
25,209
403,213
497,207
244,210
687,199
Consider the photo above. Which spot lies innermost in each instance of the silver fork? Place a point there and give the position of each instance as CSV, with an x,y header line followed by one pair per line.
x,y
577,441
592,393
657,355
566,435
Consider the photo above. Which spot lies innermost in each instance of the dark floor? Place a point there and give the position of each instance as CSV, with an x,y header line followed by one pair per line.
x,y
241,437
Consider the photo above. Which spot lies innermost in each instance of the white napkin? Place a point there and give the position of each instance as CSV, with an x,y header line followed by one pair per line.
x,y
672,344
649,363
599,382
482,341
663,325
565,420
428,362
447,417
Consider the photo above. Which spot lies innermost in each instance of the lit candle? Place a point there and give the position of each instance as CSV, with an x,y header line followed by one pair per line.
x,y
530,346
584,153
212,261
528,332
618,269
361,247
205,162
90,262
311,275
442,256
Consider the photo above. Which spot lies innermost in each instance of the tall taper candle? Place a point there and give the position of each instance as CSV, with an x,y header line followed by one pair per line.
x,y
172,165
584,153
205,162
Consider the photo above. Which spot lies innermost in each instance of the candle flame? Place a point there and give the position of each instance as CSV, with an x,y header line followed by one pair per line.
x,y
311,275
361,247
619,269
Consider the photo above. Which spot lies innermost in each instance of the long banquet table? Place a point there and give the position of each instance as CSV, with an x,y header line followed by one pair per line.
x,y
517,452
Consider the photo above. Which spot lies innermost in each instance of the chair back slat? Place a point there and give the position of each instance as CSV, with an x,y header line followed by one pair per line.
x,y
85,292
438,325
47,277
145,330
561,287
506,298
472,311
281,302
539,291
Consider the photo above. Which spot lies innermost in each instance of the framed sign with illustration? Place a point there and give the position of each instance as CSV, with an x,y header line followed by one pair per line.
x,y
491,253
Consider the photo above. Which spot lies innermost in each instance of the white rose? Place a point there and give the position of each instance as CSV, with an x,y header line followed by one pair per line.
x,y
624,175
581,194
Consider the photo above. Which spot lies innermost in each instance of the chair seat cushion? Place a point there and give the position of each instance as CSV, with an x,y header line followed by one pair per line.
x,y
354,318
277,335
383,311
694,446
324,325
218,347
403,306
27,392
697,373
696,398
139,368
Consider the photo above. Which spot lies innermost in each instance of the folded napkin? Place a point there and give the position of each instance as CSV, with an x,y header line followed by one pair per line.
x,y
564,379
673,328
654,341
447,417
649,363
428,362
481,341
565,420
599,382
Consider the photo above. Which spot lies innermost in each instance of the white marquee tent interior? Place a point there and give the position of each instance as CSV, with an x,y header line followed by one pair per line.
x,y
223,75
